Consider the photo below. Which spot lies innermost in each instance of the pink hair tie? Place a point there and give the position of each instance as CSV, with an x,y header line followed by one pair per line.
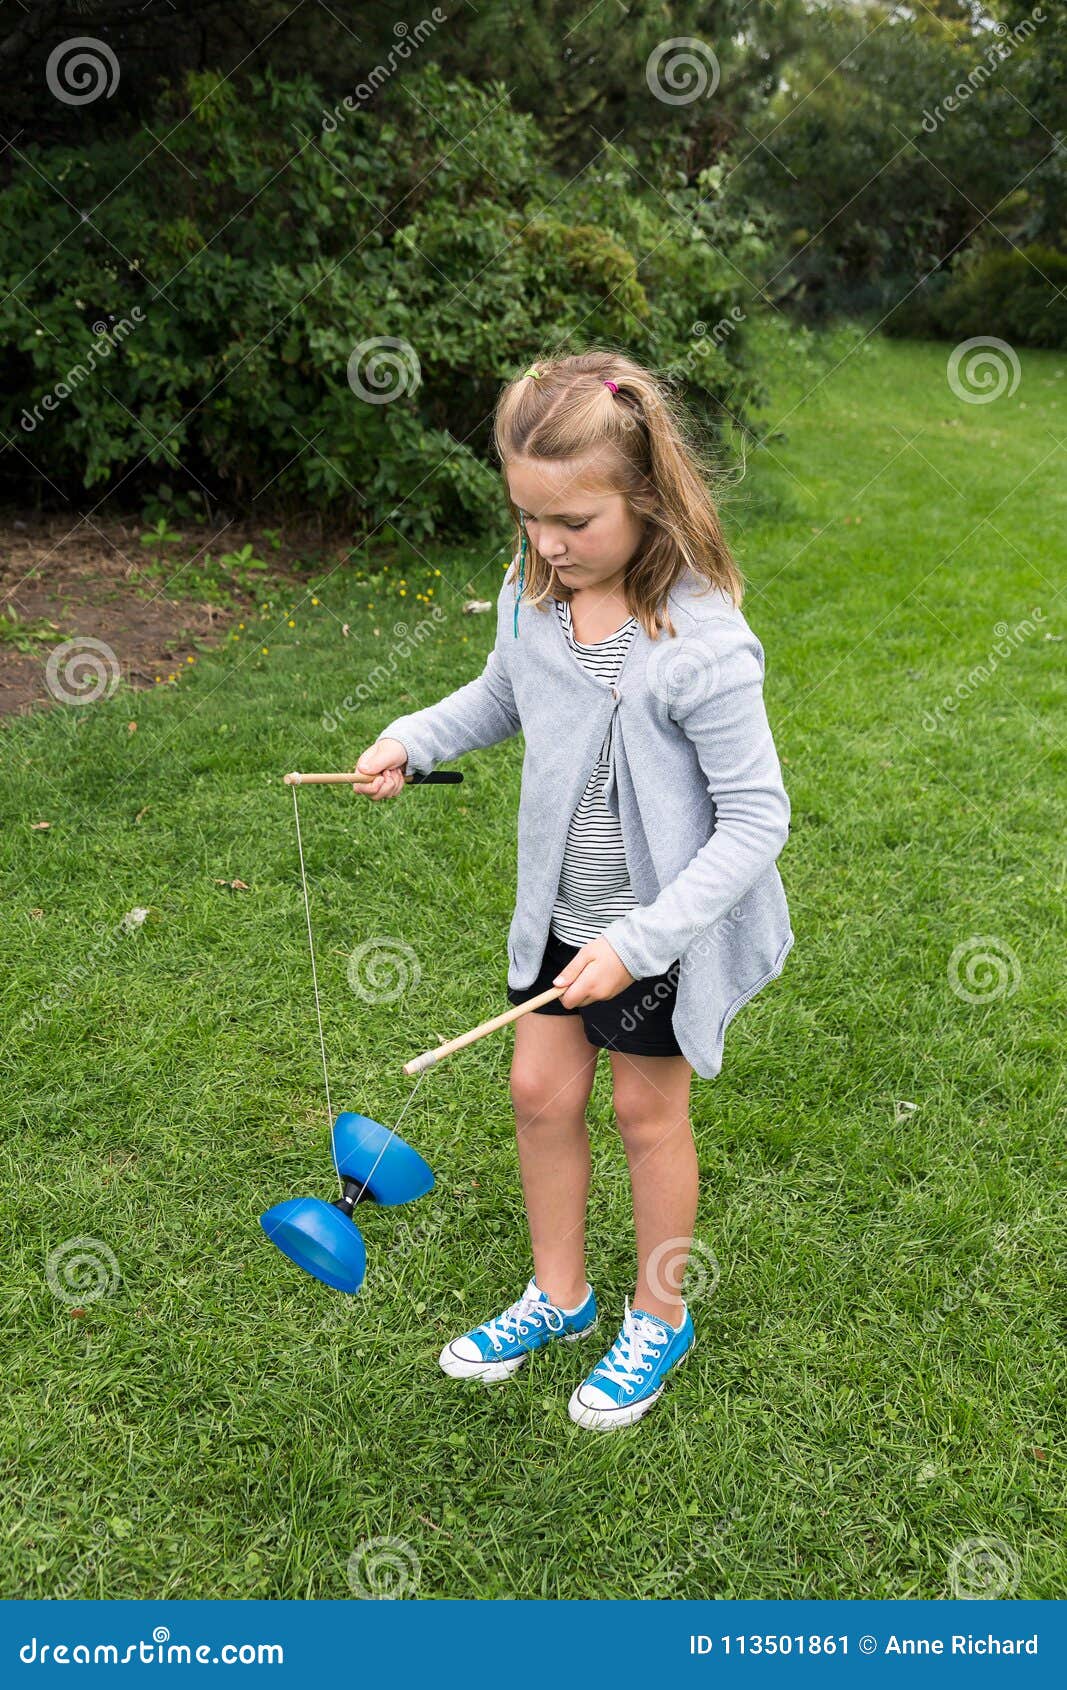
x,y
612,385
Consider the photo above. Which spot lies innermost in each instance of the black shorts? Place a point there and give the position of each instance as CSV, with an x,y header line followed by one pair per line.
x,y
637,1020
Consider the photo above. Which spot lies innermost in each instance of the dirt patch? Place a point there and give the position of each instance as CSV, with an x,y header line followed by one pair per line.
x,y
64,578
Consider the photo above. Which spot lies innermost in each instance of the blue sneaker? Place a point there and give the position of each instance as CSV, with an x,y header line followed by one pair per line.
x,y
632,1375
494,1350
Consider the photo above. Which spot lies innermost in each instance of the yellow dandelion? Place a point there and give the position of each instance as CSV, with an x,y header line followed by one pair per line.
x,y
314,601
264,649
190,660
240,624
403,592
437,572
292,624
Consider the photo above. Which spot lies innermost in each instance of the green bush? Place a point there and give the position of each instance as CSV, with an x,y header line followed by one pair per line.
x,y
1010,294
234,271
1014,290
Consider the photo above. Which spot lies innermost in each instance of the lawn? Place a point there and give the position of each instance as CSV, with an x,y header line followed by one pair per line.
x,y
875,1404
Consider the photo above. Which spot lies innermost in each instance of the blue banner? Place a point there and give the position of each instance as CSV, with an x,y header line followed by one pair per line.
x,y
522,1643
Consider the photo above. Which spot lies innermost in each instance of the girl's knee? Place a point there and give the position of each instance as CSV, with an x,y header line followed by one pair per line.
x,y
544,1095
651,1098
644,1123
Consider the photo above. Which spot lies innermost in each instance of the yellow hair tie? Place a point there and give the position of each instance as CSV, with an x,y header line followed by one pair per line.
x,y
532,372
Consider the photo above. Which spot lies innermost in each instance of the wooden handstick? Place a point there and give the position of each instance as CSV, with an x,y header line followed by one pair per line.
x,y
438,777
429,1057
332,780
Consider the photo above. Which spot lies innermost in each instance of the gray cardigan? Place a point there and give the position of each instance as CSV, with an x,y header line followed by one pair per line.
x,y
695,782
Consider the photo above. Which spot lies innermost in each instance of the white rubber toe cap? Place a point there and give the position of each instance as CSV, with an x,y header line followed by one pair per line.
x,y
593,1408
462,1359
464,1349
591,1396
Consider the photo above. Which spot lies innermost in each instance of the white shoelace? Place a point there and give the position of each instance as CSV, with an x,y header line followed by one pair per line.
x,y
514,1320
628,1357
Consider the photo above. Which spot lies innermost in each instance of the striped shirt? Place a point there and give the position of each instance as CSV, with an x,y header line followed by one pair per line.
x,y
594,882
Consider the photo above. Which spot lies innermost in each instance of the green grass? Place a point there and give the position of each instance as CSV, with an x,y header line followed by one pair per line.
x,y
878,1378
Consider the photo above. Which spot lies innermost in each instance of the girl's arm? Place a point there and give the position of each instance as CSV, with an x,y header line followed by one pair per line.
x,y
727,724
479,714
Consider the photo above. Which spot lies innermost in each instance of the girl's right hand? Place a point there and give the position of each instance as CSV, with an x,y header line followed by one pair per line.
x,y
386,760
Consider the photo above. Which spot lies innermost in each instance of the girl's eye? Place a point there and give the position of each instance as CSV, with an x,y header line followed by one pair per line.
x,y
574,527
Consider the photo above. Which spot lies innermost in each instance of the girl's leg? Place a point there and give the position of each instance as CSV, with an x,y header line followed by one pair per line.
x,y
651,1095
552,1074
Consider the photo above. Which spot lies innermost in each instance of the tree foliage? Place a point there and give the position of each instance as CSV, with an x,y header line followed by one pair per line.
x,y
325,301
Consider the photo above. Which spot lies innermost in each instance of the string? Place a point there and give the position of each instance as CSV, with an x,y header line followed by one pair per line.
x,y
322,1040
315,984
392,1132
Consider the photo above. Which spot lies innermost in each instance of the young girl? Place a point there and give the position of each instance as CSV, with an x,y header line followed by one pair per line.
x,y
652,812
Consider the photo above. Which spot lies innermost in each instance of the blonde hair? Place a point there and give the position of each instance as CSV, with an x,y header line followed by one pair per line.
x,y
561,409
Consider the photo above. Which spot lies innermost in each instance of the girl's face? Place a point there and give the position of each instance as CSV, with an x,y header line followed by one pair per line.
x,y
587,533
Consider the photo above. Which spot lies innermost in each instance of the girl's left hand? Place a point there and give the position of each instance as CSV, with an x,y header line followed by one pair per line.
x,y
595,973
